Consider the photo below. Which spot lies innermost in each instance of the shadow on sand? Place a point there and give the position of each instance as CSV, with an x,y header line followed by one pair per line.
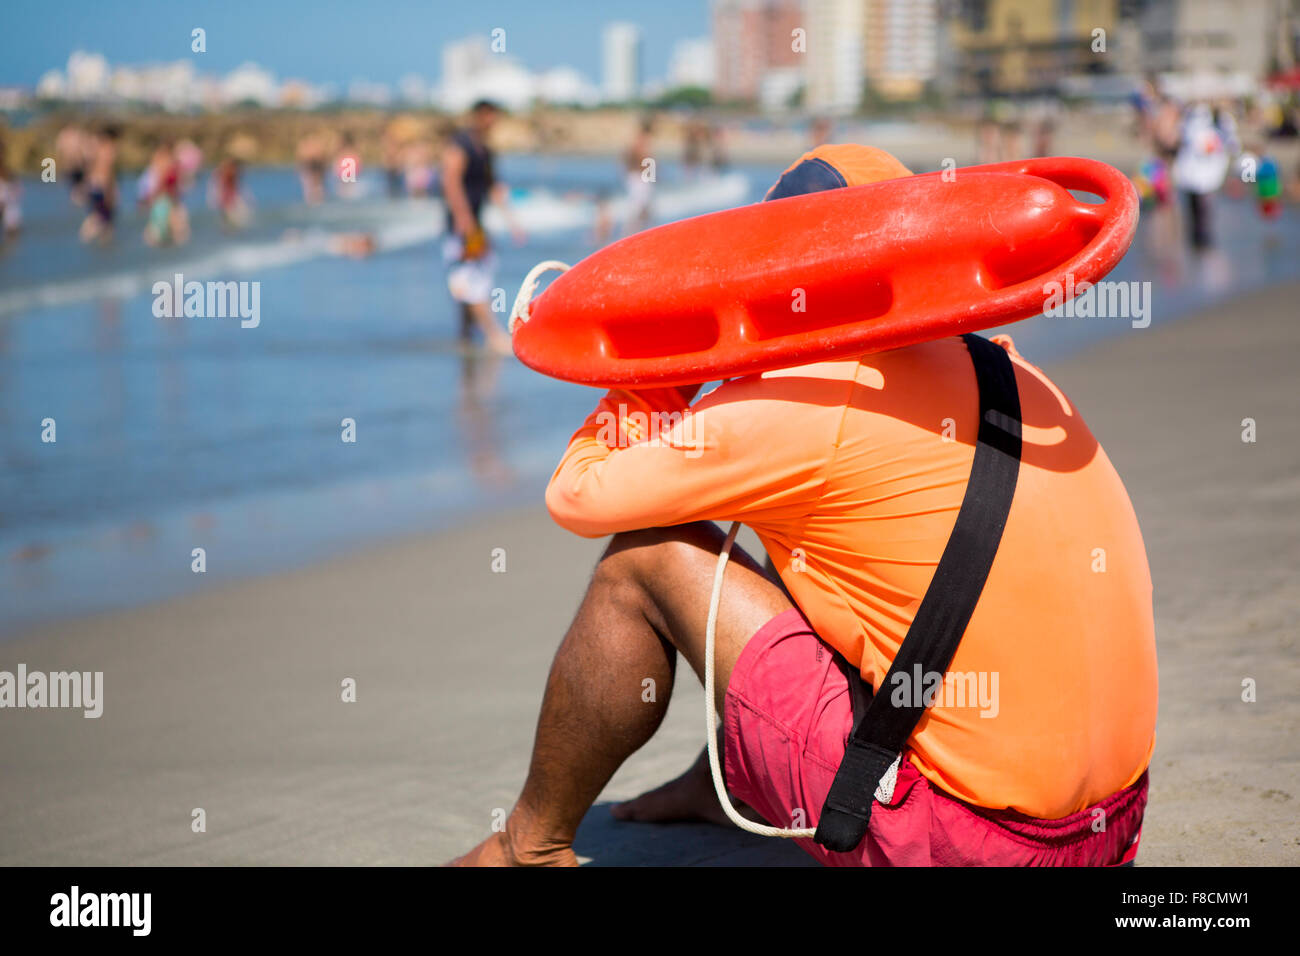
x,y
604,841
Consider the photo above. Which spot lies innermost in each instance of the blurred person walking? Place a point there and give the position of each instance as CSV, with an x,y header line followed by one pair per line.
x,y
1200,168
468,182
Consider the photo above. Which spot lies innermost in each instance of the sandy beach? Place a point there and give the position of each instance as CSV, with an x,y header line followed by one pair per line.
x,y
231,700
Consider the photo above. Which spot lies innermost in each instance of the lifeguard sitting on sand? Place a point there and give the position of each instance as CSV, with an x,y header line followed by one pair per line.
x,y
1028,746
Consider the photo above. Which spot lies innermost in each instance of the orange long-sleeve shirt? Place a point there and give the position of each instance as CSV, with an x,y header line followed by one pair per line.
x,y
852,473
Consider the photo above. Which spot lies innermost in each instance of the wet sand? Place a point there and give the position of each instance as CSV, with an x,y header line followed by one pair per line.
x,y
230,700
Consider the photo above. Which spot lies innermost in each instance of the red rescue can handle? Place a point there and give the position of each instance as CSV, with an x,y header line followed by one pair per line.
x,y
1118,196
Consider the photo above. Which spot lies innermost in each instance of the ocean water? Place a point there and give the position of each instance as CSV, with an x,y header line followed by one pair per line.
x,y
177,434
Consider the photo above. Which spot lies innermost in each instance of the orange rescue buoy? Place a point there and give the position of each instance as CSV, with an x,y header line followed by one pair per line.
x,y
840,272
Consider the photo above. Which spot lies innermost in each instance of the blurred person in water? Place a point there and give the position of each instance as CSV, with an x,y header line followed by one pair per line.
x,y
312,164
226,194
74,149
469,181
420,171
638,179
101,187
11,194
168,221
347,169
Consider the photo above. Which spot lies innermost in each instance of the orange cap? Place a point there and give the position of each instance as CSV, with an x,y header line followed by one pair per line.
x,y
833,166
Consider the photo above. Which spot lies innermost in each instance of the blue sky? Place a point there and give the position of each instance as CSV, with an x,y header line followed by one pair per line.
x,y
332,41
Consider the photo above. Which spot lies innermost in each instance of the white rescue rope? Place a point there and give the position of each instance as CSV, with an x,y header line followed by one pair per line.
x,y
710,711
519,311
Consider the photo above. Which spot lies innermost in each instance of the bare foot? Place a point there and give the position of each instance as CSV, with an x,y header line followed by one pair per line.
x,y
496,851
690,797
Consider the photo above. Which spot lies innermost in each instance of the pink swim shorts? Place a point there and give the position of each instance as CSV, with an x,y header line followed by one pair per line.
x,y
787,716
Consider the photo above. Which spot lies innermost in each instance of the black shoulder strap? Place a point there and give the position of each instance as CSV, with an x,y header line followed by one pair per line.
x,y
882,733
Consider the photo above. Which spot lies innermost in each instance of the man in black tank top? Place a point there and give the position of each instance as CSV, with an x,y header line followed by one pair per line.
x,y
478,175
468,182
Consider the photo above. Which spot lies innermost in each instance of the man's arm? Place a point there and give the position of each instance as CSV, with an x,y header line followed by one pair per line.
x,y
500,195
454,162
642,460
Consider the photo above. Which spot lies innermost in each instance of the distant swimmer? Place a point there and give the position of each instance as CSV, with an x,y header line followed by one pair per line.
x,y
349,245
353,245
73,151
392,146
468,182
168,221
639,178
11,194
602,227
189,160
347,169
226,195
101,187
718,158
695,134
312,166
420,170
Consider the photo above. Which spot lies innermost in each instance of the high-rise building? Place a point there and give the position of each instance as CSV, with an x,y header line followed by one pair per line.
x,y
471,71
1207,36
1025,47
249,82
833,64
622,62
691,63
463,61
88,76
900,46
752,38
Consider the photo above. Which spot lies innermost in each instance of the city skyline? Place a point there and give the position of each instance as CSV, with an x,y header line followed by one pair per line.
x,y
829,56
470,68
340,48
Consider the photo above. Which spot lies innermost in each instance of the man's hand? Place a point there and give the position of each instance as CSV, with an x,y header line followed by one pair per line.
x,y
500,195
463,223
671,398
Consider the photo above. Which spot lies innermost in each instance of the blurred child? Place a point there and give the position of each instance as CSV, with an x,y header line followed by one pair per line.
x,y
226,195
1268,188
168,220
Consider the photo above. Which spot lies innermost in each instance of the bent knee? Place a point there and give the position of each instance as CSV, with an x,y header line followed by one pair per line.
x,y
648,547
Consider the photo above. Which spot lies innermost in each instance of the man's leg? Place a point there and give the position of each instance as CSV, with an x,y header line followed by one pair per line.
x,y
466,324
647,601
494,336
691,797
